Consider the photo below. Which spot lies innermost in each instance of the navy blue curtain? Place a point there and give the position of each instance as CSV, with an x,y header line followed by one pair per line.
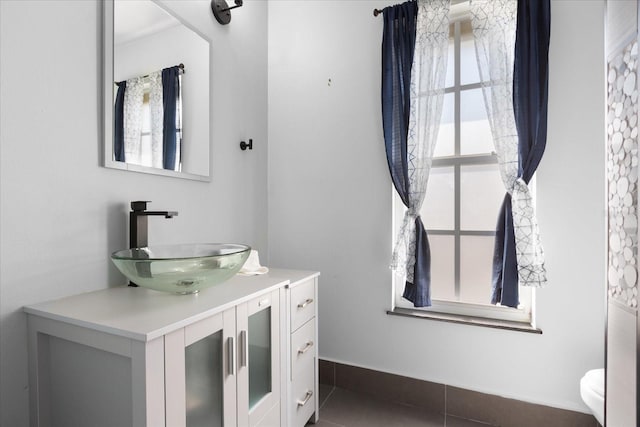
x,y
398,43
118,128
170,94
530,96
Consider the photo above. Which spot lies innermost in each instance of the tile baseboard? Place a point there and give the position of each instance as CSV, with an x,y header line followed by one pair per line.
x,y
449,400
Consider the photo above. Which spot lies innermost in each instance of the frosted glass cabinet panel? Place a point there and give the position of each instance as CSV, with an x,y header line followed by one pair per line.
x,y
259,356
203,368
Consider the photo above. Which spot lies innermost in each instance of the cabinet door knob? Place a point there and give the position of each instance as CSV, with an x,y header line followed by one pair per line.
x,y
306,398
306,303
305,348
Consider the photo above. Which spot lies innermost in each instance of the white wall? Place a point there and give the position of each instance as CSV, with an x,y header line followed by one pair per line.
x,y
61,214
330,206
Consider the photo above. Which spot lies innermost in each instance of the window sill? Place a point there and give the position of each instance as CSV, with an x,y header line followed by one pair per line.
x,y
466,320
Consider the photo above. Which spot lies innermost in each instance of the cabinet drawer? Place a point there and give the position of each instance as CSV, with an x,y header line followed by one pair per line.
x,y
303,395
303,304
303,347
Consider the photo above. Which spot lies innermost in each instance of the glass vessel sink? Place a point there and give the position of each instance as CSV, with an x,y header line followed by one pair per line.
x,y
182,269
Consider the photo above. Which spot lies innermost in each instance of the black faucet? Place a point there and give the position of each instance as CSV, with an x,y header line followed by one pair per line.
x,y
138,223
139,231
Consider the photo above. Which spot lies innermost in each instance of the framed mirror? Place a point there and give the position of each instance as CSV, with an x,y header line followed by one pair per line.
x,y
156,92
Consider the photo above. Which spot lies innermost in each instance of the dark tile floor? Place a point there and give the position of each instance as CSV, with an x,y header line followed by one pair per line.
x,y
344,408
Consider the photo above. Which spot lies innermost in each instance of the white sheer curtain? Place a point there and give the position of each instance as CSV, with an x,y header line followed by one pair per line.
x,y
494,31
157,112
133,98
427,92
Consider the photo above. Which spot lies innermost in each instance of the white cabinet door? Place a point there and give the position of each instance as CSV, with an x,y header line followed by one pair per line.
x,y
258,323
201,373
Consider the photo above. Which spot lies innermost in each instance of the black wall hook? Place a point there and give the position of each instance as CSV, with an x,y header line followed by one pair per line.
x,y
221,10
244,145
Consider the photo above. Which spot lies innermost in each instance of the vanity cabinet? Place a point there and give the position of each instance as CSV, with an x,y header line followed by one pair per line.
x,y
224,370
136,357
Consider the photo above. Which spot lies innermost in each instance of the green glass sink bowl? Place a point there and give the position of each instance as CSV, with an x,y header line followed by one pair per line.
x,y
182,269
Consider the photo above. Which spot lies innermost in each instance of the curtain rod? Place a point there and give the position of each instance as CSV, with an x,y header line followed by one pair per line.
x,y
181,66
377,12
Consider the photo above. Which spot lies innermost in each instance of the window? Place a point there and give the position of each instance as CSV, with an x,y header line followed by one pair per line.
x,y
464,194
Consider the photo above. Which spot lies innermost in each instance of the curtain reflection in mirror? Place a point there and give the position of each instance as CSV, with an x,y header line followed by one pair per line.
x,y
151,138
118,139
171,124
133,100
148,116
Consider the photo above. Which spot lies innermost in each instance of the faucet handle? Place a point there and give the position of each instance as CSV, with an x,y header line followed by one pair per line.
x,y
139,205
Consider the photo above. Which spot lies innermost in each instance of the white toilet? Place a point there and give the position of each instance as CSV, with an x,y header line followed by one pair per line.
x,y
592,392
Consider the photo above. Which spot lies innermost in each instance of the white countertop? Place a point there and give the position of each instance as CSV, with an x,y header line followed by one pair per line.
x,y
143,314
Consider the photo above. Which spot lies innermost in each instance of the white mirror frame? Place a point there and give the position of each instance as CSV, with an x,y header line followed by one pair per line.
x,y
107,77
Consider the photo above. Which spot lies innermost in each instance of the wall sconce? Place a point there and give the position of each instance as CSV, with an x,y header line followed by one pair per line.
x,y
221,10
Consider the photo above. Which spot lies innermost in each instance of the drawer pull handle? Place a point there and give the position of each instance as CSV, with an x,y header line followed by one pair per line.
x,y
307,397
306,303
263,302
306,347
